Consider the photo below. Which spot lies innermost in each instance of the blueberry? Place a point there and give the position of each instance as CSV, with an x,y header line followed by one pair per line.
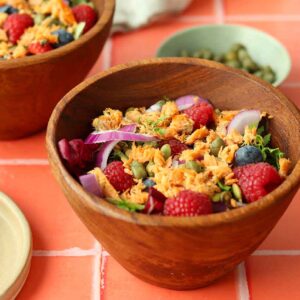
x,y
247,155
149,182
8,9
64,37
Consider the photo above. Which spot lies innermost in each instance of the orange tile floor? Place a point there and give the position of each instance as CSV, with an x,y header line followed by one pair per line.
x,y
69,264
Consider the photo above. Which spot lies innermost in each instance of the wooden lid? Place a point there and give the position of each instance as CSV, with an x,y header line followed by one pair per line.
x,y
15,248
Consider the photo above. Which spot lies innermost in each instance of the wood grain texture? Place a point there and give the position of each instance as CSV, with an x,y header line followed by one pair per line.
x,y
172,252
32,86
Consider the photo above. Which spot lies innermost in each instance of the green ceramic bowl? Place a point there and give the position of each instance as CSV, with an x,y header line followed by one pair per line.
x,y
263,48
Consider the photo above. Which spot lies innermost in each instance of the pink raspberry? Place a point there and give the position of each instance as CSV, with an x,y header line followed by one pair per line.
x,y
16,24
201,113
39,48
257,180
187,204
84,13
116,175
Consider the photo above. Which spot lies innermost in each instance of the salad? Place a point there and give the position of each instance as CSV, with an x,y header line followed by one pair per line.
x,y
180,157
30,27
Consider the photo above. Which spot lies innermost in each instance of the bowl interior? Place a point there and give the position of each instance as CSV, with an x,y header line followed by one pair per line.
x,y
264,49
144,83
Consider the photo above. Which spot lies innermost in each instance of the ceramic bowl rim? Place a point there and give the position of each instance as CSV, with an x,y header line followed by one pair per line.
x,y
243,27
23,267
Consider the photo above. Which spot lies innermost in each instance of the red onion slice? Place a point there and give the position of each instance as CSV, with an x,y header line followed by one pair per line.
x,y
155,107
90,183
243,119
155,203
103,154
188,101
117,135
105,150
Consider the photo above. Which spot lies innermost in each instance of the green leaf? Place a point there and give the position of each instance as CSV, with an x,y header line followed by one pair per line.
x,y
259,140
272,155
260,130
124,204
79,30
263,153
223,187
267,139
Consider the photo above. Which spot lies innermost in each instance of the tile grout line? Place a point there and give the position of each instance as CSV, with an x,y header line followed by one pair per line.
x,y
263,18
75,251
242,284
102,270
237,18
276,253
24,162
96,279
219,11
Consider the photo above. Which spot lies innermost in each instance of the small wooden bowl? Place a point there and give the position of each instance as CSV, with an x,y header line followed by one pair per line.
x,y
32,86
173,252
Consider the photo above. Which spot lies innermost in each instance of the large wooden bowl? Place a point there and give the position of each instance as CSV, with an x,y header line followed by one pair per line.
x,y
32,86
173,252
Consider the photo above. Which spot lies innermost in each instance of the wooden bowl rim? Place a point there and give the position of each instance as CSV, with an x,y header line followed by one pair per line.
x,y
103,20
108,209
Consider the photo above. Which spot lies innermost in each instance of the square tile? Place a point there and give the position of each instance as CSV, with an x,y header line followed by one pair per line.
x,y
30,147
59,278
285,234
120,284
286,33
151,36
268,7
97,67
274,277
200,8
293,93
53,223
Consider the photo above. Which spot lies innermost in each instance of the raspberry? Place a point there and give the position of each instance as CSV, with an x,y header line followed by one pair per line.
x,y
38,48
201,113
16,24
176,146
257,180
187,204
116,175
84,13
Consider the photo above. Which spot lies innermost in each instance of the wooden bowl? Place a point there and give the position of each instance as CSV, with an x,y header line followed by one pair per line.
x,y
172,252
32,86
